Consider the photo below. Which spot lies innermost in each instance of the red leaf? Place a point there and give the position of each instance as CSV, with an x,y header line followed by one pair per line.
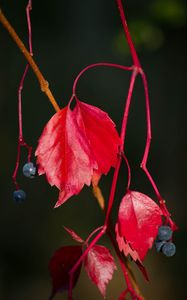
x,y
101,134
100,265
124,246
138,220
74,235
127,250
76,146
60,264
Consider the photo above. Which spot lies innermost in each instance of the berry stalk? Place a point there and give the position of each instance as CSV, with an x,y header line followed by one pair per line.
x,y
43,83
21,141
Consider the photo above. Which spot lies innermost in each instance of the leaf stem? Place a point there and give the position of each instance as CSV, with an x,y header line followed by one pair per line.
x,y
43,83
100,64
28,9
128,169
127,34
21,141
122,137
79,261
127,107
148,139
92,233
132,285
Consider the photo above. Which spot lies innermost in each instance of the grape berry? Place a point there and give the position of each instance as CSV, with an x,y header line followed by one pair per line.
x,y
164,233
169,249
29,170
163,243
19,196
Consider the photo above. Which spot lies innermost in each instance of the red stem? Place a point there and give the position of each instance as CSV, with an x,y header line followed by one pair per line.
x,y
28,9
124,269
17,166
127,34
122,137
148,139
115,176
20,104
92,233
128,169
101,64
127,107
136,69
148,118
21,141
79,261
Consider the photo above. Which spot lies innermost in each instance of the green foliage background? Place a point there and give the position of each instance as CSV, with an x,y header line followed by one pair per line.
x,y
67,36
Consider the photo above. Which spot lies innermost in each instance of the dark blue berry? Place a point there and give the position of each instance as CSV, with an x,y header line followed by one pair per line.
x,y
164,233
169,249
159,245
19,196
29,170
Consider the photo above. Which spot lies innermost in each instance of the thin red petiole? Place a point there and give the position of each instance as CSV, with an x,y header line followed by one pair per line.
x,y
128,170
130,288
148,117
127,34
80,260
21,142
100,64
28,9
127,107
122,136
114,182
148,139
93,233
17,166
116,171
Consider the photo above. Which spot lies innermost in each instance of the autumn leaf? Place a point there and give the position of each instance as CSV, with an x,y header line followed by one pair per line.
x,y
124,246
101,134
138,220
100,266
74,235
59,266
127,250
76,147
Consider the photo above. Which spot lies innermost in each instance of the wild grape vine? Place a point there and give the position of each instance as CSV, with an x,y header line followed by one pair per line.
x,y
77,146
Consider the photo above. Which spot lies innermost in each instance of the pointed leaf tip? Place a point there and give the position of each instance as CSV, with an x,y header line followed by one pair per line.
x,y
138,221
100,265
59,266
74,235
76,147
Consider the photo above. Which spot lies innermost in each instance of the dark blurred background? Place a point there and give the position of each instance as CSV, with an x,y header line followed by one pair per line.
x,y
67,36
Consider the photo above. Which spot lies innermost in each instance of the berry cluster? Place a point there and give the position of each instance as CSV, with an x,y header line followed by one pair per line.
x,y
29,171
163,241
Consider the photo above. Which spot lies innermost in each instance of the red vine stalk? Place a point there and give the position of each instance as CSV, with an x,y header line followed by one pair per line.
x,y
116,172
128,169
136,69
148,140
79,261
100,64
43,83
132,286
147,102
28,9
127,34
21,141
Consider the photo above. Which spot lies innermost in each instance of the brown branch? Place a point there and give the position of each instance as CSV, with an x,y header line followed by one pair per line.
x,y
99,196
43,83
